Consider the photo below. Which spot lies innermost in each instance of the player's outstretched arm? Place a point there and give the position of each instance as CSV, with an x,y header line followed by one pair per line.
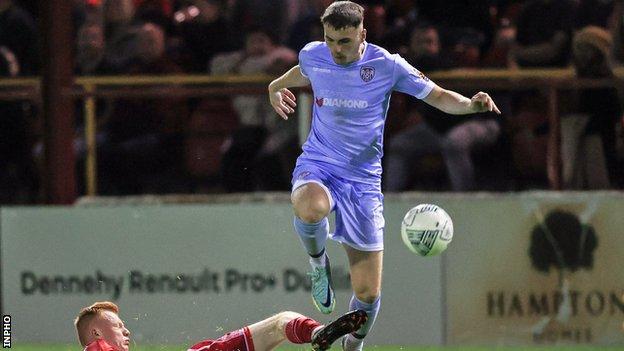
x,y
282,99
457,104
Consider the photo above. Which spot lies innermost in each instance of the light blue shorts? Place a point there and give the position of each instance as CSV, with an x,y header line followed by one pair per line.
x,y
358,206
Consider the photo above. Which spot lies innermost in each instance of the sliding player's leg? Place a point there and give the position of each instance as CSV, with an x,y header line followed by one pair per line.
x,y
299,329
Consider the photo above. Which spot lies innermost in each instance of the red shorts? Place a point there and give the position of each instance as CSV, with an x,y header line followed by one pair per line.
x,y
238,340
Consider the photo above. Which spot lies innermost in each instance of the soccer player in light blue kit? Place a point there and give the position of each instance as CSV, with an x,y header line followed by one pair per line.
x,y
340,167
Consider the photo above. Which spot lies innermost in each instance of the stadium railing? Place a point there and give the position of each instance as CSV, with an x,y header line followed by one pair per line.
x,y
548,81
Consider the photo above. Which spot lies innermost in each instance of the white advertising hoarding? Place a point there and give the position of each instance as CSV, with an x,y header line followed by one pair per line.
x,y
537,269
523,269
184,273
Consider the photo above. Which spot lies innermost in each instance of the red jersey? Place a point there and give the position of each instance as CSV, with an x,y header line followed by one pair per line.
x,y
99,345
238,340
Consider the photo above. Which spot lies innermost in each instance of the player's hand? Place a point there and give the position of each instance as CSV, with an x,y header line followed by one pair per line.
x,y
283,102
482,102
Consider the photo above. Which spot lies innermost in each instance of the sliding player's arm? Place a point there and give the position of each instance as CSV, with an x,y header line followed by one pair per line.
x,y
457,104
282,99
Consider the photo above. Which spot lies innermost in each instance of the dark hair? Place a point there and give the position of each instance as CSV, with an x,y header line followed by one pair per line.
x,y
343,14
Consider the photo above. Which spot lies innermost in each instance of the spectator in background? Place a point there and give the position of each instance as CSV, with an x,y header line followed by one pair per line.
x,y
261,55
401,17
90,60
465,48
375,17
543,38
204,32
544,31
91,50
425,50
454,17
149,55
19,56
435,132
306,27
18,34
118,16
18,175
143,147
589,135
159,12
86,11
499,53
305,30
249,14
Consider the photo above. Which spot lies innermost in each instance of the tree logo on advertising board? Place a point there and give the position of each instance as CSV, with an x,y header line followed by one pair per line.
x,y
566,243
561,241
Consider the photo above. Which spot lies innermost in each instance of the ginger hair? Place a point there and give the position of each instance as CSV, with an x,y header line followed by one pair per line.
x,y
87,314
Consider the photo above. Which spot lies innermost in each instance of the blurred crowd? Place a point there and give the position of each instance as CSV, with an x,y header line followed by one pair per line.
x,y
216,144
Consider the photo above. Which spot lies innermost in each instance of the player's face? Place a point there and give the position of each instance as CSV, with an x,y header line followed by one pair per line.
x,y
112,329
346,44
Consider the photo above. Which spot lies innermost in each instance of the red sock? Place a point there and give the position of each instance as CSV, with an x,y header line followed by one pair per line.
x,y
299,330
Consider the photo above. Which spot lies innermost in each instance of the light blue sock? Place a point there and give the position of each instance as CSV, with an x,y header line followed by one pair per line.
x,y
313,236
372,309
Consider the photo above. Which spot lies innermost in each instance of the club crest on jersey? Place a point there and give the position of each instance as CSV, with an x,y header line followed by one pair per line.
x,y
421,75
367,73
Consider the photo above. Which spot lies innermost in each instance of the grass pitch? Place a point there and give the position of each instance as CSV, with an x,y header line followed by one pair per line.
x,y
46,347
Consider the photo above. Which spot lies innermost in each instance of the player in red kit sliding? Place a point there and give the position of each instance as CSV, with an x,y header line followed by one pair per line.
x,y
99,328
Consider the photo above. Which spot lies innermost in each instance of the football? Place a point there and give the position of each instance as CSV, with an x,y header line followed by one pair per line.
x,y
427,230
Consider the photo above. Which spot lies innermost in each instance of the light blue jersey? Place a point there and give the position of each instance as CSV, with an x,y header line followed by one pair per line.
x,y
344,149
350,107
